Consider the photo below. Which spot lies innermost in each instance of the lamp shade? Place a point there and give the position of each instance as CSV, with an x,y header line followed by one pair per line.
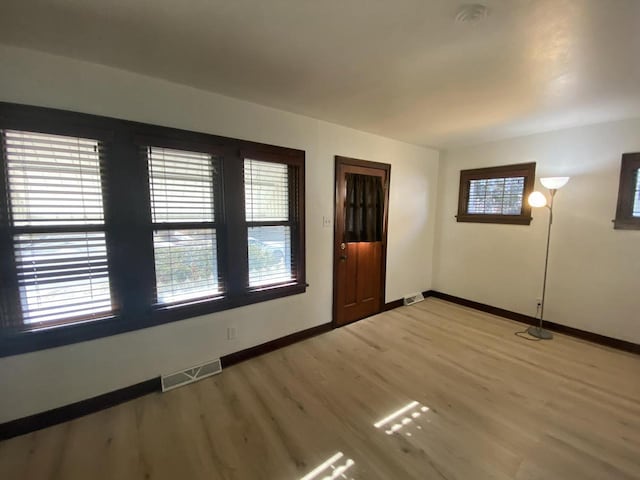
x,y
554,183
537,199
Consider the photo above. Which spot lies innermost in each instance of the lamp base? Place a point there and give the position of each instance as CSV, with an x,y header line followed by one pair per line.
x,y
540,333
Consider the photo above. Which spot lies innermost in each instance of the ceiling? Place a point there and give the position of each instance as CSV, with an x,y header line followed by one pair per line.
x,y
404,69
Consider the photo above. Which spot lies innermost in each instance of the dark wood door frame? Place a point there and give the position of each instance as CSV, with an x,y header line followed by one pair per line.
x,y
339,217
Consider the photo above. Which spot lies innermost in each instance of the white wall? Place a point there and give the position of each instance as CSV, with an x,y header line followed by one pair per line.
x,y
594,270
47,379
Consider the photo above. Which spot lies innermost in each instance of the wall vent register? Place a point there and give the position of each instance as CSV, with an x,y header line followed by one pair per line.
x,y
190,375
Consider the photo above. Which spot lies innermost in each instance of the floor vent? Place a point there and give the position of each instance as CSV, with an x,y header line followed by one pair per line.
x,y
190,375
414,298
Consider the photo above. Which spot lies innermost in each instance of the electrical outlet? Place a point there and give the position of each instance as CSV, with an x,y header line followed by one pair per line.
x,y
326,222
232,333
538,306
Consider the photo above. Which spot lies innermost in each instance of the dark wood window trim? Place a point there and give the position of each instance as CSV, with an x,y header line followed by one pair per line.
x,y
629,172
296,219
526,170
130,231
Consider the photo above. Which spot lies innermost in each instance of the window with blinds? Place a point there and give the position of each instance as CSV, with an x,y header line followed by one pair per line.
x,y
269,222
183,188
108,226
57,227
496,194
628,208
636,196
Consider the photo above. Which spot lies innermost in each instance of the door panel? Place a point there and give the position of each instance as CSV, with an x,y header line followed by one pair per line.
x,y
350,266
368,281
358,266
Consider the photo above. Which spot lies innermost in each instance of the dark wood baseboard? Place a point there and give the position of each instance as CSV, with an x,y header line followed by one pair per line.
x,y
78,409
38,421
393,304
556,327
400,302
272,345
66,413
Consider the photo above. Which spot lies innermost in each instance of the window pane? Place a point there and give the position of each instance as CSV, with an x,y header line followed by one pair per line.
x,y
181,185
636,197
269,255
266,191
186,264
53,180
496,196
62,276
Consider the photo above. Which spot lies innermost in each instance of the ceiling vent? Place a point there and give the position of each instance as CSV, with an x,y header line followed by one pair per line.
x,y
190,375
472,13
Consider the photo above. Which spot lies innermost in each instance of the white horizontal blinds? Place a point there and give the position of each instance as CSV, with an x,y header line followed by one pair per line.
x,y
268,224
496,196
183,186
55,193
62,276
636,196
266,191
53,180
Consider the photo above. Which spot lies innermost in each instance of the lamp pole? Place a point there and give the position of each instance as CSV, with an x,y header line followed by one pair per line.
x,y
538,331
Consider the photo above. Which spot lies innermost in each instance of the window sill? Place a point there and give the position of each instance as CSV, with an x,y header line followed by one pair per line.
x,y
18,342
179,312
626,224
504,219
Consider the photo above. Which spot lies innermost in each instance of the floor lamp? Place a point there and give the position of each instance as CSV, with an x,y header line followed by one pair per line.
x,y
537,199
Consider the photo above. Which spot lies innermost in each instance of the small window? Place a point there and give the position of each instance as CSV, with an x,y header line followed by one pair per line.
x,y
364,208
183,212
628,211
57,228
496,194
270,221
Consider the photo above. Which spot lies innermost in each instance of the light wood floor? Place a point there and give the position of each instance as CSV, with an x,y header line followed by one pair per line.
x,y
475,402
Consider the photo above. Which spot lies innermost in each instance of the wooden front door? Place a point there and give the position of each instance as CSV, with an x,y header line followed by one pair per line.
x,y
359,266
